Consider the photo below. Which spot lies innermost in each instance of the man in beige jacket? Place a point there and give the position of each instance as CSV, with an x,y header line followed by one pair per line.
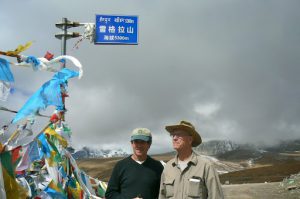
x,y
188,175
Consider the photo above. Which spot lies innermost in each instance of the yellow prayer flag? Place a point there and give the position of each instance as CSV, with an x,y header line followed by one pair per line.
x,y
51,160
19,49
76,192
60,139
12,188
52,185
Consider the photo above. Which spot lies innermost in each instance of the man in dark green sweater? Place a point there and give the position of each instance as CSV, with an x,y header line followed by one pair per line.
x,y
137,176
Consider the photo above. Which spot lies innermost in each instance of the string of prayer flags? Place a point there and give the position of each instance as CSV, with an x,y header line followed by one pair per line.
x,y
42,168
40,179
53,65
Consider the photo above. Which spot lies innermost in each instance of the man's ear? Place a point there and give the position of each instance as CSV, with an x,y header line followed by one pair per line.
x,y
191,140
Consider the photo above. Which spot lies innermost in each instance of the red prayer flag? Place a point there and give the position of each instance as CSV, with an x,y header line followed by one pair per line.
x,y
49,56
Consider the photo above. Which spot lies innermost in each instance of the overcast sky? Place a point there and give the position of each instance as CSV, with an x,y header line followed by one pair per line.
x,y
230,67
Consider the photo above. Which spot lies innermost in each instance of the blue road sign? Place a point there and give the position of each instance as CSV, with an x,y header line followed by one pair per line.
x,y
114,29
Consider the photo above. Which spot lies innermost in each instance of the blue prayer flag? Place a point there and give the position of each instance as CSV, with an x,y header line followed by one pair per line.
x,y
48,94
45,148
33,152
5,72
34,61
55,194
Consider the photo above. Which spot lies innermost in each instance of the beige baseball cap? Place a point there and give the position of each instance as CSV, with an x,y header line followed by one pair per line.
x,y
141,134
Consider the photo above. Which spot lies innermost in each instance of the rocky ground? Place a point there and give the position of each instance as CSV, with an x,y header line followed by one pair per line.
x,y
265,178
259,191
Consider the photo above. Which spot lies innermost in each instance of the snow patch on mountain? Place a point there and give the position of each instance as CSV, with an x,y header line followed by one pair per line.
x,y
87,152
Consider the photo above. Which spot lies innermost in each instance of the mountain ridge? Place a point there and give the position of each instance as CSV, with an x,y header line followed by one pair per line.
x,y
217,148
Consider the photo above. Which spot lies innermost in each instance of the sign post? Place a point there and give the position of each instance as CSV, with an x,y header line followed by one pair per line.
x,y
116,29
64,35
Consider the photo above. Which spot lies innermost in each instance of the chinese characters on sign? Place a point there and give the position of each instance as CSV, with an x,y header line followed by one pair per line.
x,y
112,29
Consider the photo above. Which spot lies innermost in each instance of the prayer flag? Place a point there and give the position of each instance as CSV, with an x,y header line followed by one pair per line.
x,y
48,94
5,72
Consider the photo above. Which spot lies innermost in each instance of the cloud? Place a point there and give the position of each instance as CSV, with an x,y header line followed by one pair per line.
x,y
231,68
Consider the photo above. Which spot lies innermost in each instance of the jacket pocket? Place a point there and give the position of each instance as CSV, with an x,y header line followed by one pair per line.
x,y
169,187
195,188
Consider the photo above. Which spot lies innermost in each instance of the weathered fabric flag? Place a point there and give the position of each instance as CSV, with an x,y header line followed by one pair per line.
x,y
33,151
24,162
5,72
2,188
6,79
19,49
48,94
43,63
4,90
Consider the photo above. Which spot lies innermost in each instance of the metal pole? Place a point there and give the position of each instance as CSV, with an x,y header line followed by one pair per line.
x,y
64,36
64,39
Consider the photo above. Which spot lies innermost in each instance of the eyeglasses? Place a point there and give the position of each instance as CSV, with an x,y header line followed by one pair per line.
x,y
179,135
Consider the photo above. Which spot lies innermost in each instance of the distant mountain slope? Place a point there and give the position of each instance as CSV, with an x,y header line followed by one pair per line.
x,y
227,149
240,154
216,147
221,149
285,146
87,152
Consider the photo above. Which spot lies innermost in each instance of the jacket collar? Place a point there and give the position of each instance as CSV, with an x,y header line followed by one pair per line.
x,y
193,160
